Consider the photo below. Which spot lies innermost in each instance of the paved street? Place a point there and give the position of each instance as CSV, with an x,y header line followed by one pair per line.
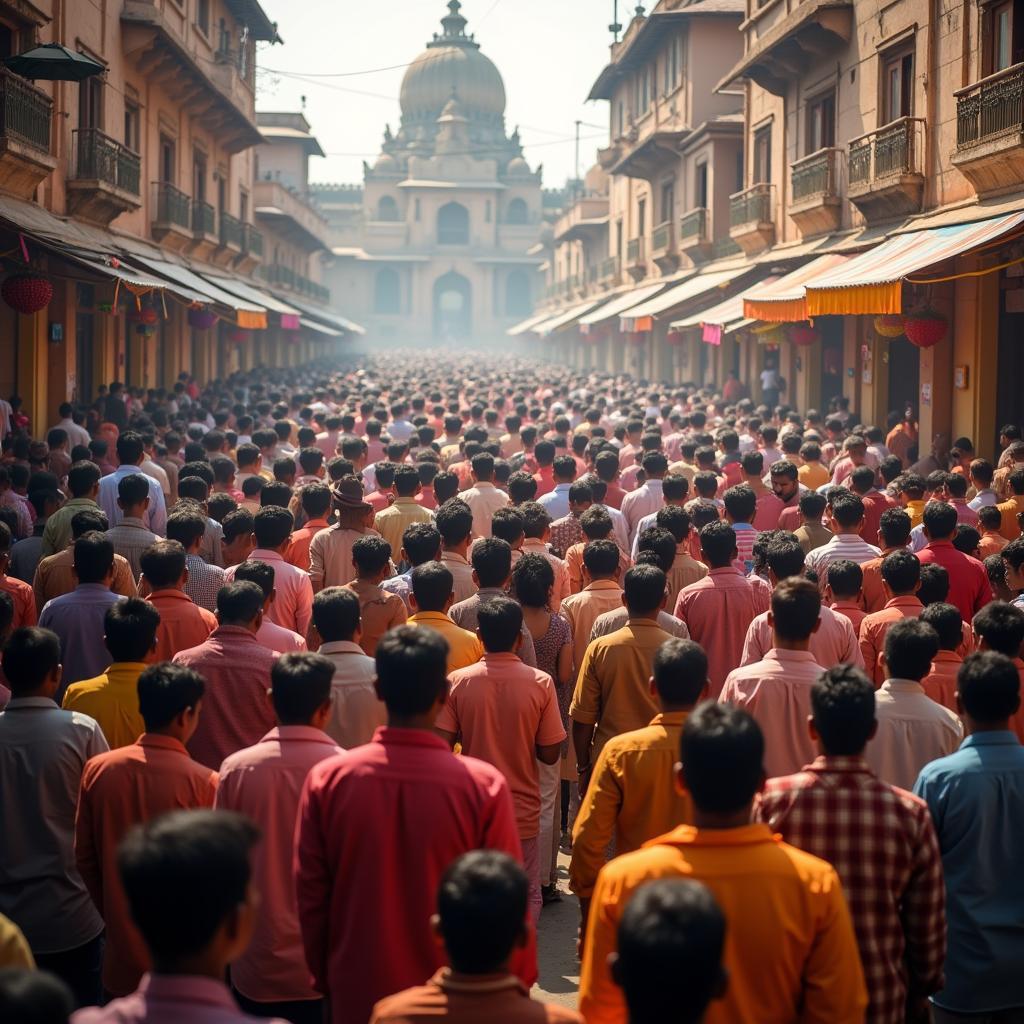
x,y
556,938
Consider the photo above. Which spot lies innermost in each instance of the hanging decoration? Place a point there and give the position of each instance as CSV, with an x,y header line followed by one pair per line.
x,y
147,315
925,327
27,293
711,334
889,326
675,338
803,334
201,319
290,321
239,336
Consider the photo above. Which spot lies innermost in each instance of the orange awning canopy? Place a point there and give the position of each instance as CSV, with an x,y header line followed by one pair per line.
x,y
785,300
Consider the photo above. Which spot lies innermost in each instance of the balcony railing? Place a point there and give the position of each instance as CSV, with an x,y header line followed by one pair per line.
x,y
752,205
693,224
816,174
610,268
724,247
661,239
204,218
101,158
635,251
894,149
25,112
230,230
990,107
172,205
252,241
277,273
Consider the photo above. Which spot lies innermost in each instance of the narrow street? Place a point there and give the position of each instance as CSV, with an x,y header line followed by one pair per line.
x,y
556,939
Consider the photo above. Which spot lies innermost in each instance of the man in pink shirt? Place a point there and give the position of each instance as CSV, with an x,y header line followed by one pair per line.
x,y
901,575
719,608
292,607
264,782
940,683
187,876
843,584
777,689
393,814
969,588
506,713
270,634
785,495
648,497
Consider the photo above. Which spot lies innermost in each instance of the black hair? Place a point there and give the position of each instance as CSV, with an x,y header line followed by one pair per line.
x,y
130,447
945,620
412,673
300,684
847,507
843,705
500,621
596,524
536,519
676,520
163,563
939,519
910,648
276,494
492,561
988,685
845,577
1001,626
796,604
785,558
407,481
990,517
432,585
966,539
894,527
316,500
236,524
722,753
661,544
239,603
336,614
454,521
272,525
901,571
644,587
522,487
812,505
718,544
165,690
254,571
680,670
421,542
33,997
740,503
197,488
507,524
29,656
133,489
129,629
532,579
371,554
94,557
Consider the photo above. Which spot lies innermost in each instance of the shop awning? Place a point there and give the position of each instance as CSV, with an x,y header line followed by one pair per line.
x,y
135,280
785,301
566,317
872,283
326,317
527,325
692,288
312,325
722,315
251,316
289,314
615,305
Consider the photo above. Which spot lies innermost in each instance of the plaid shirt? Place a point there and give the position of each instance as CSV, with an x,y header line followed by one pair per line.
x,y
883,845
564,533
204,581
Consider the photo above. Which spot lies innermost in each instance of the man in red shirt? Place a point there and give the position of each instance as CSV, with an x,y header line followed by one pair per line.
x,y
393,814
316,503
862,482
969,588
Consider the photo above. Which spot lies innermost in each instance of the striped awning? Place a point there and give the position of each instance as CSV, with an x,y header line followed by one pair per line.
x,y
872,283
617,303
527,325
566,317
785,300
692,288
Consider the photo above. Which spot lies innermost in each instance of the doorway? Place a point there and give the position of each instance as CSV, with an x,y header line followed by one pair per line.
x,y
85,342
1010,366
831,328
453,308
904,375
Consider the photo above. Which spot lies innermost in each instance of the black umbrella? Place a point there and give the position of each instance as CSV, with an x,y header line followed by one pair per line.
x,y
54,63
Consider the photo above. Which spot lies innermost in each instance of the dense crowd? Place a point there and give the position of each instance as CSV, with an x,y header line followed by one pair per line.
x,y
310,676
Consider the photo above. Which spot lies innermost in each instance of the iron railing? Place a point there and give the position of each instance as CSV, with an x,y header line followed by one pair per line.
x,y
752,205
252,241
662,239
172,205
694,225
230,230
724,247
893,149
610,268
204,218
636,251
25,112
98,157
816,174
277,273
990,107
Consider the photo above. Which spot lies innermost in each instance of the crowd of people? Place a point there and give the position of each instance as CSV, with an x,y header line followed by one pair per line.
x,y
310,676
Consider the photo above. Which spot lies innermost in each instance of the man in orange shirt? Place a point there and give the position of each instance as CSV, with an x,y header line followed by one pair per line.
x,y
940,683
990,521
602,592
134,784
20,592
1014,504
893,535
792,953
316,502
901,575
183,624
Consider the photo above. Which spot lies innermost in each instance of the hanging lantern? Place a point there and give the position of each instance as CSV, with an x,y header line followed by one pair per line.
x,y
803,334
675,338
201,319
925,328
27,293
889,326
147,316
239,336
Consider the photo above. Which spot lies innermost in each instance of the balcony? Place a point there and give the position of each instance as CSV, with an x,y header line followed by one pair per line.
x,y
277,273
751,218
230,233
172,216
586,220
648,155
25,116
252,242
203,221
695,233
291,215
663,247
816,205
610,271
636,258
105,178
884,172
990,132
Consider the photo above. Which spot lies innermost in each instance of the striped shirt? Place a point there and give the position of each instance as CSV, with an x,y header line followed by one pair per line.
x,y
842,545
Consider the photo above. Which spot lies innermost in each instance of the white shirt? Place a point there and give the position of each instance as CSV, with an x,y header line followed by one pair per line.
x,y
842,545
156,515
356,710
76,434
556,501
620,529
484,499
642,502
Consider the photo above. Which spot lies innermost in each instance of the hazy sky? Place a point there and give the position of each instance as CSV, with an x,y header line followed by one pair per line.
x,y
548,51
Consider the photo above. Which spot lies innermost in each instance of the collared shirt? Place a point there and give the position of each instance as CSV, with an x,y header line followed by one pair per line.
x,y
23,599
613,689
975,796
292,606
379,611
791,953
881,841
470,999
330,556
852,611
566,532
534,546
874,627
632,798
990,544
969,587
464,647
777,692
642,502
235,712
392,522
556,501
393,813
76,434
43,751
77,618
574,566
156,514
183,624
466,614
120,789
298,548
484,499
842,545
55,576
940,683
581,611
986,496
620,528
834,642
204,582
609,622
112,699
400,585
130,538
277,638
172,999
356,710
264,782
459,566
718,610
912,730
811,536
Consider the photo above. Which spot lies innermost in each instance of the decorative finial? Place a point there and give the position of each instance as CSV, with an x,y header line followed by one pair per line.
x,y
639,12
454,23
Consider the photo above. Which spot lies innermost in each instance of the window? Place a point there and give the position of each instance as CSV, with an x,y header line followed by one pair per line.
x,y
672,65
898,85
453,225
641,217
668,201
821,122
199,177
387,208
203,16
620,119
644,98
702,186
90,102
1002,25
517,212
168,160
387,294
131,127
517,294
243,206
761,165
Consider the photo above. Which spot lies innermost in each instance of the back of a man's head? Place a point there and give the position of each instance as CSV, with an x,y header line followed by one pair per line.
x,y
432,586
300,686
843,707
718,544
644,588
93,558
492,562
412,671
999,626
901,572
500,622
129,629
796,605
30,657
988,689
336,614
680,670
722,758
165,690
910,648
239,603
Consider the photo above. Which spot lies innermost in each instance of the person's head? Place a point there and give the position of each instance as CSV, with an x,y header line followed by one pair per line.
x,y
982,473
671,939
912,487
796,604
939,520
945,620
130,448
661,544
432,587
500,623
316,500
785,480
133,494
844,579
894,528
186,876
1012,557
999,626
843,711
995,569
454,521
740,504
987,691
533,581
300,688
644,591
752,464
336,615
412,673
846,510
240,604
169,699
93,559
990,519
522,488
84,479
862,480
492,562
420,543
966,539
679,674
371,556
238,540
901,573
163,565
718,544
812,507
785,558
31,662
910,648
129,629
272,526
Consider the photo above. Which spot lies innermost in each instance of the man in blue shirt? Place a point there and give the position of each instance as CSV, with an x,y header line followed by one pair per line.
x,y
976,798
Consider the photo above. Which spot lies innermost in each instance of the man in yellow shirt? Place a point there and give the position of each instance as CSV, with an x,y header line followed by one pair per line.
x,y
792,953
912,489
432,595
391,523
129,631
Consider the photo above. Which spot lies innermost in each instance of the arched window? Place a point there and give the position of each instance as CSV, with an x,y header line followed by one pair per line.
x,y
387,208
387,292
517,294
453,225
517,212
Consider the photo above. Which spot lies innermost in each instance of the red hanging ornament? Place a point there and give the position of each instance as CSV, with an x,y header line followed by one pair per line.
x,y
803,334
239,336
889,326
925,328
27,293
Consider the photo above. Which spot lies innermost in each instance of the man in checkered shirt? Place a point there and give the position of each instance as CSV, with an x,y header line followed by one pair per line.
x,y
880,840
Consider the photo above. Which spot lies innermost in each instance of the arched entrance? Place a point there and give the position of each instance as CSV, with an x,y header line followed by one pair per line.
x,y
453,308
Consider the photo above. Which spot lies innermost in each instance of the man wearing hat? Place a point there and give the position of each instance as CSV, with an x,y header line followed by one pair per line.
x,y
330,551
